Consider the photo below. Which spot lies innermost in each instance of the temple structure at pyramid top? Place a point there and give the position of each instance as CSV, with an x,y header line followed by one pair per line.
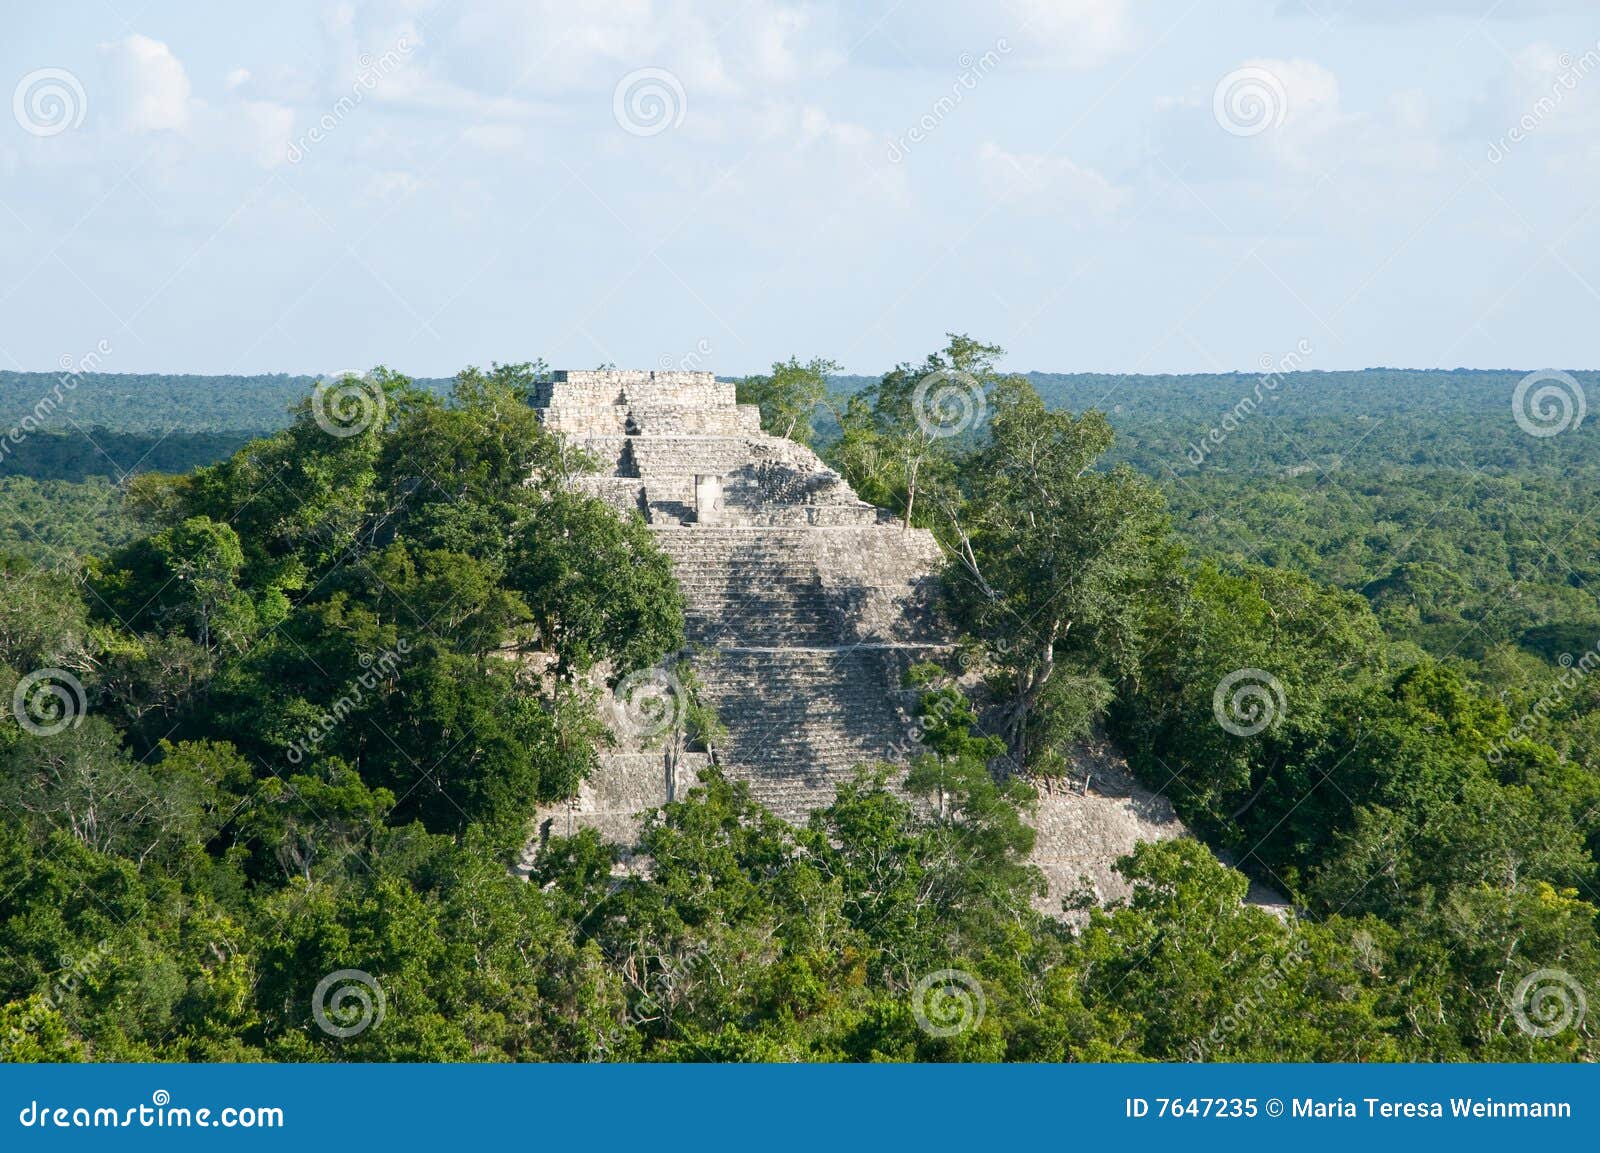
x,y
678,448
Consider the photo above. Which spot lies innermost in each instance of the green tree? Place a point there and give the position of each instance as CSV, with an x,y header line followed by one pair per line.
x,y
789,396
1055,561
900,438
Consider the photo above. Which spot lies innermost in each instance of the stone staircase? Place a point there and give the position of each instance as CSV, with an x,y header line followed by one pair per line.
x,y
803,587
798,718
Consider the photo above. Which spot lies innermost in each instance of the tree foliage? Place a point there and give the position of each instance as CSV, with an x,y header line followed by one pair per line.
x,y
326,681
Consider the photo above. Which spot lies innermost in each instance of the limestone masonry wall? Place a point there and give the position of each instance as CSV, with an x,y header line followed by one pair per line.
x,y
636,388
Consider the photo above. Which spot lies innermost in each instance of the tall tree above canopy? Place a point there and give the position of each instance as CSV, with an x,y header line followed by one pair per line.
x,y
1053,557
901,437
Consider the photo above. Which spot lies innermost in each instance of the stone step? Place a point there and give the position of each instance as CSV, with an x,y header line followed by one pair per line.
x,y
747,586
676,420
808,712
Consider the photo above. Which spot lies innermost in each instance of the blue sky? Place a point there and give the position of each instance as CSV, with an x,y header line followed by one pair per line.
x,y
1096,185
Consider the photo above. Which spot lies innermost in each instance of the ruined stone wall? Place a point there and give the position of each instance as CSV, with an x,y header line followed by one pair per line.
x,y
636,389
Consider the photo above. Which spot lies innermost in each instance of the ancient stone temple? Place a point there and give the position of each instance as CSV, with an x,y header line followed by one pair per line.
x,y
805,607
805,604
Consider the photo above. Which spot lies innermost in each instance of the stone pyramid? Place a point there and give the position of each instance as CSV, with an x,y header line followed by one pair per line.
x,y
805,607
805,604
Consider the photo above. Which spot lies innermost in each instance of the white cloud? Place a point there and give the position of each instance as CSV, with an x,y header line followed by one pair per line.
x,y
267,128
1083,33
1284,121
1543,110
1558,91
507,139
554,46
1051,185
389,185
1391,12
152,88
812,156
1311,116
152,93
